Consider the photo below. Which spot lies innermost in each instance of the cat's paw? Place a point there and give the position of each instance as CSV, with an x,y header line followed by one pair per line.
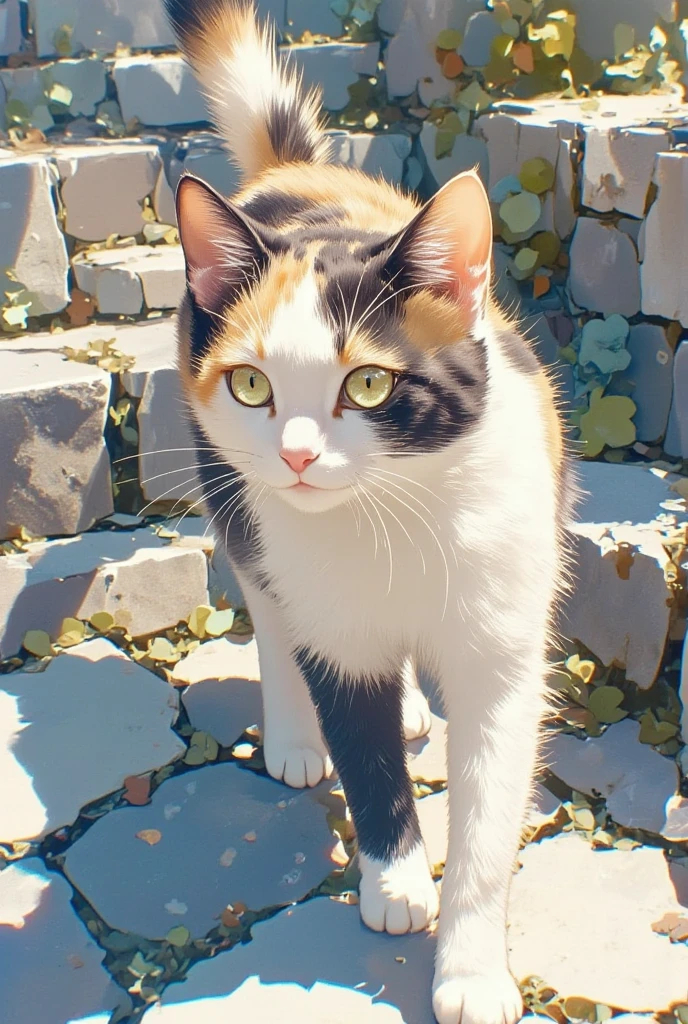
x,y
416,712
297,766
477,999
398,897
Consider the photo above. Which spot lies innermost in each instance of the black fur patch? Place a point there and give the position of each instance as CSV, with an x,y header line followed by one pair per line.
x,y
191,17
363,728
273,207
291,138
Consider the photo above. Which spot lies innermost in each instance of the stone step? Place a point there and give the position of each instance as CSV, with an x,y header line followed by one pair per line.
x,y
132,280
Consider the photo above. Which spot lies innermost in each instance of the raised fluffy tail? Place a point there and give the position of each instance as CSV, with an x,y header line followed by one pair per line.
x,y
258,102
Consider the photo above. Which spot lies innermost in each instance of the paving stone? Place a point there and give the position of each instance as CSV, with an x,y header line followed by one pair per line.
x,y
196,531
158,90
123,280
374,154
604,274
287,967
99,25
76,732
618,166
133,575
311,16
54,468
103,188
676,441
51,970
567,892
223,696
634,779
481,31
335,66
651,373
10,28
427,756
666,241
468,152
628,621
31,241
249,839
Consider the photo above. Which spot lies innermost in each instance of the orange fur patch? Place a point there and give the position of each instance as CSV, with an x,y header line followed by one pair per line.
x,y
362,349
432,321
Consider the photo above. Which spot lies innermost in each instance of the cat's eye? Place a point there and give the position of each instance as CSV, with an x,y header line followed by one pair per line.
x,y
369,386
250,386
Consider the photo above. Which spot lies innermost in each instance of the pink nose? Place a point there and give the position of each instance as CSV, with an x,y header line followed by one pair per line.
x,y
298,458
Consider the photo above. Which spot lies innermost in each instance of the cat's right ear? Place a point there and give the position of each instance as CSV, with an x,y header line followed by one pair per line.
x,y
223,254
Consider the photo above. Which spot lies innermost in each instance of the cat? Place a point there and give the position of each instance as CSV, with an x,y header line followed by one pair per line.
x,y
382,457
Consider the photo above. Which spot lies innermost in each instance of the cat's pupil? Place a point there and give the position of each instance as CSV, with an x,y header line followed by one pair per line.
x,y
369,382
252,380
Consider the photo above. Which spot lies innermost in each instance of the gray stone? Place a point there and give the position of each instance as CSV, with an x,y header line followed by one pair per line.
x,y
51,970
481,31
164,201
75,732
512,139
214,166
595,23
634,779
676,441
223,696
121,280
158,90
99,25
54,469
618,166
86,79
31,242
564,889
651,372
10,28
564,210
267,845
665,242
335,66
314,16
287,972
134,576
103,188
604,275
468,152
27,86
374,154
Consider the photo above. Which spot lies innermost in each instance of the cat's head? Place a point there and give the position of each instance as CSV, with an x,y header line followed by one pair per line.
x,y
320,353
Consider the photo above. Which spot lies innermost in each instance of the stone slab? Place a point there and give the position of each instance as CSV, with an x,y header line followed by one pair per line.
x,y
73,733
99,25
249,839
335,66
468,152
10,28
312,16
595,23
51,970
618,166
650,372
223,695
124,280
158,91
676,441
604,274
665,243
374,154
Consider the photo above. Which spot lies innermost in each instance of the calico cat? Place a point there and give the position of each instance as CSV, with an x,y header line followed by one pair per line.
x,y
382,458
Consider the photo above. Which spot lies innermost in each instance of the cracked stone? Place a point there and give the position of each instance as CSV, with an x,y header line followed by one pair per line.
x,y
121,280
468,152
636,781
159,91
100,25
605,274
74,732
334,67
676,441
651,373
44,939
223,696
374,154
202,815
618,167
665,244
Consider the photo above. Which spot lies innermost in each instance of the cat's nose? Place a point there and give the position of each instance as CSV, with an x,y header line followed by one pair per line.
x,y
298,458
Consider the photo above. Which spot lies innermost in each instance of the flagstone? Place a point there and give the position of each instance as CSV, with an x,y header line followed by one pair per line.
x,y
223,696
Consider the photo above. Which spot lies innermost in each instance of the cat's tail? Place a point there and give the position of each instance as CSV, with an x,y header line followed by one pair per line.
x,y
257,101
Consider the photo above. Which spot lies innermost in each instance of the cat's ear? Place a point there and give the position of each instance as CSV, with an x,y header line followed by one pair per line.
x,y
222,251
448,246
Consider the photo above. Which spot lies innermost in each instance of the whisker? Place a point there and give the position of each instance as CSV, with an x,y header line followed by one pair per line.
x,y
367,494
410,480
195,448
410,538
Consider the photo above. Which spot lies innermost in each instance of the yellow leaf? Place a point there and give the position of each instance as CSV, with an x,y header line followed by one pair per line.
x,y
198,618
37,642
102,621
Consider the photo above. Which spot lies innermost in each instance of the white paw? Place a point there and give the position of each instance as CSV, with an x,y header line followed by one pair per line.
x,y
297,766
399,897
477,999
417,720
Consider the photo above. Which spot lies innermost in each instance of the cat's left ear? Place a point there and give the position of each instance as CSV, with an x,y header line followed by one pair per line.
x,y
447,247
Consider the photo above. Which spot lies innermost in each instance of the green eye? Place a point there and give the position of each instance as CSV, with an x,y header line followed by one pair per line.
x,y
250,386
369,386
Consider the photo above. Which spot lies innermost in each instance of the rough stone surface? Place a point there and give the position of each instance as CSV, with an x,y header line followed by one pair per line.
x,y
468,152
605,275
564,889
103,187
335,66
204,818
564,210
635,780
374,154
311,16
31,242
596,23
75,732
651,373
100,25
618,167
54,469
10,28
223,696
123,280
481,31
676,441
158,91
133,575
50,968
213,165
666,242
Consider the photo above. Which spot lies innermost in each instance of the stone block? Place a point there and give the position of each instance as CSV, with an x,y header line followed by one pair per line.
x,y
335,66
31,242
482,29
10,28
164,200
651,374
468,152
54,468
86,80
268,845
564,210
595,22
314,16
214,166
676,441
374,154
103,187
617,167
604,274
158,91
665,245
50,967
123,280
99,25
133,575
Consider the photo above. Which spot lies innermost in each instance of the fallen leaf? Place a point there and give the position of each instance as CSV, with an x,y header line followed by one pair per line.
x,y
228,857
453,65
102,621
541,286
137,790
250,837
449,39
609,421
219,623
520,213
522,56
604,704
537,175
654,732
37,642
150,835
198,618
178,936
229,919
80,309
244,751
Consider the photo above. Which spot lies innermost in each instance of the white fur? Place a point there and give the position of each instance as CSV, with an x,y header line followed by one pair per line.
x,y
399,897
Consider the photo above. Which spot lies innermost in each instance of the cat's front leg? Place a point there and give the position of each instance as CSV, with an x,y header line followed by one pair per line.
x,y
293,746
362,721
494,706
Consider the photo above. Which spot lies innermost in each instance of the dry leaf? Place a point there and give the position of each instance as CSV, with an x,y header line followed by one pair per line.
x,y
150,835
137,790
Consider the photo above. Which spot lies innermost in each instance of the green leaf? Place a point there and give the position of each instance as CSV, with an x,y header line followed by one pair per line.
x,y
102,621
179,936
218,623
60,94
520,213
603,343
37,641
524,264
198,618
537,175
604,703
579,1008
449,39
585,670
162,649
444,144
474,98
654,732
607,422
